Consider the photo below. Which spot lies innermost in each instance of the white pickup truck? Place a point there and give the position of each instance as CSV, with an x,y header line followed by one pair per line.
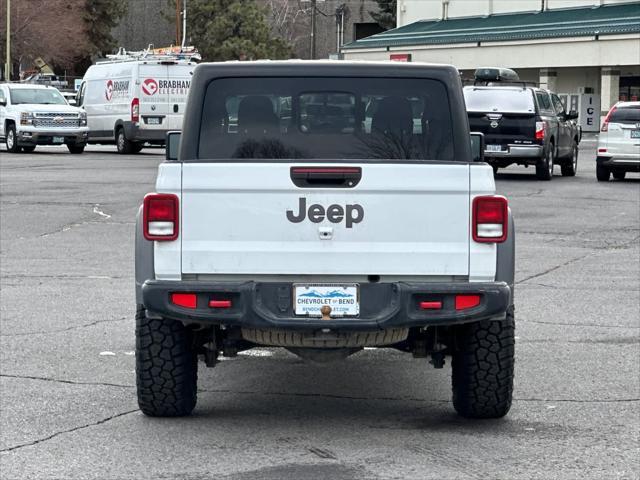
x,y
32,115
325,207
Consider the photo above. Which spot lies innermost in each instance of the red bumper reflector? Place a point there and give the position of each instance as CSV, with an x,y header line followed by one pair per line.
x,y
467,301
220,303
186,300
431,305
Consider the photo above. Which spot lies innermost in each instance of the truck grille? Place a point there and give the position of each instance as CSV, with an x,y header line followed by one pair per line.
x,y
56,120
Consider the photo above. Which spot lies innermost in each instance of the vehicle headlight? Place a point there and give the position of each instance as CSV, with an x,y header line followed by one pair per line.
x,y
26,118
83,119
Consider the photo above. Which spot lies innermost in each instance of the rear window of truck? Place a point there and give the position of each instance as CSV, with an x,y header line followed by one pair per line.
x,y
326,118
483,99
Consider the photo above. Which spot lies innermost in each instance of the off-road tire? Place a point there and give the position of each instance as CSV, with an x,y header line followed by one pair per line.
x,y
570,167
75,149
29,149
136,147
482,368
11,139
619,175
123,144
602,173
544,166
166,367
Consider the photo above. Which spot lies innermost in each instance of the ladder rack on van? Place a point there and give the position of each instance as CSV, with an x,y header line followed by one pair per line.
x,y
189,54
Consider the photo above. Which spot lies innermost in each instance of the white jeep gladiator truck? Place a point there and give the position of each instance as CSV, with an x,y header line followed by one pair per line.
x,y
325,207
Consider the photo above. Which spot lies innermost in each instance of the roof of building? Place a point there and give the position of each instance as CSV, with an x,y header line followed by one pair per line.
x,y
570,22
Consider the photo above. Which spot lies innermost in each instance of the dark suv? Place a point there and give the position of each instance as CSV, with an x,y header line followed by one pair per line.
x,y
524,125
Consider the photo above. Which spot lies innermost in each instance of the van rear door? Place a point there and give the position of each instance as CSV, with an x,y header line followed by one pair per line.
x,y
154,102
164,86
177,85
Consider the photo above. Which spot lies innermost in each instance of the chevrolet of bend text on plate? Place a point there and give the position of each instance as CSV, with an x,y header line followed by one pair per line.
x,y
324,207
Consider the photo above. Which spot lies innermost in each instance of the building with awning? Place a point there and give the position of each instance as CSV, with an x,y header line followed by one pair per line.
x,y
587,50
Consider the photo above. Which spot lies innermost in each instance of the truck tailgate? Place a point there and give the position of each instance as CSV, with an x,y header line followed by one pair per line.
x,y
504,128
414,220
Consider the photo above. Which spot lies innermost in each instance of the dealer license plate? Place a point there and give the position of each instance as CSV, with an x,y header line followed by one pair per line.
x,y
635,133
344,300
153,121
493,148
58,139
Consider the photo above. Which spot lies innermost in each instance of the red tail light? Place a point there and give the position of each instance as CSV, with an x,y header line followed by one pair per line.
x,y
605,123
540,130
431,305
467,301
186,300
135,110
220,303
160,216
490,219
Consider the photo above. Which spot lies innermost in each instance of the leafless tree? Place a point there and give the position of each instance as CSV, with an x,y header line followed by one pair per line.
x,y
50,29
289,20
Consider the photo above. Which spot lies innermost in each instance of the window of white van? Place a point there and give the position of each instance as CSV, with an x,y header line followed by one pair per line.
x,y
80,98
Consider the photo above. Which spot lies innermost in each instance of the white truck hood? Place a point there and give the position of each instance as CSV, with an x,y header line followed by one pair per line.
x,y
38,107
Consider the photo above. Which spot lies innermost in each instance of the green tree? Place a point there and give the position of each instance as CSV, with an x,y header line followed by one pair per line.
x,y
386,14
232,30
100,18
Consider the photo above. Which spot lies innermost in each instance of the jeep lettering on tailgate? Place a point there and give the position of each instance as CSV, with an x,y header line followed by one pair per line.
x,y
334,213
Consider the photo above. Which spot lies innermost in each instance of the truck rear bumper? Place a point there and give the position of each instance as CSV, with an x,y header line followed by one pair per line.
x,y
517,151
382,305
137,133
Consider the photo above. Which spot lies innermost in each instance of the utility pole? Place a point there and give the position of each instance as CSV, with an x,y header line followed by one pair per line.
x,y
7,67
313,29
184,25
178,21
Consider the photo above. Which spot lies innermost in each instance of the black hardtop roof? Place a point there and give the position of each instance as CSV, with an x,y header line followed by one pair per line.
x,y
205,73
324,68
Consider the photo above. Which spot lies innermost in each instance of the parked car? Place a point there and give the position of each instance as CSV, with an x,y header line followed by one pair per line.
x,y
32,115
348,233
133,99
522,124
619,142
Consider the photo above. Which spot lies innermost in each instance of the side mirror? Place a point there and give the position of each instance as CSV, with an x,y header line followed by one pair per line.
x,y
172,145
572,115
3,102
477,147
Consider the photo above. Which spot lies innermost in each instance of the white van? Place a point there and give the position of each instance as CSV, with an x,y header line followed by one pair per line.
x,y
132,99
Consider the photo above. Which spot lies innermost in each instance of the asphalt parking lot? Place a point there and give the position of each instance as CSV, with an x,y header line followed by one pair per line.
x,y
68,405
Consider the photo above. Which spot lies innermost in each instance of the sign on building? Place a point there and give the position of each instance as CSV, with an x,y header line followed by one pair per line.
x,y
588,107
